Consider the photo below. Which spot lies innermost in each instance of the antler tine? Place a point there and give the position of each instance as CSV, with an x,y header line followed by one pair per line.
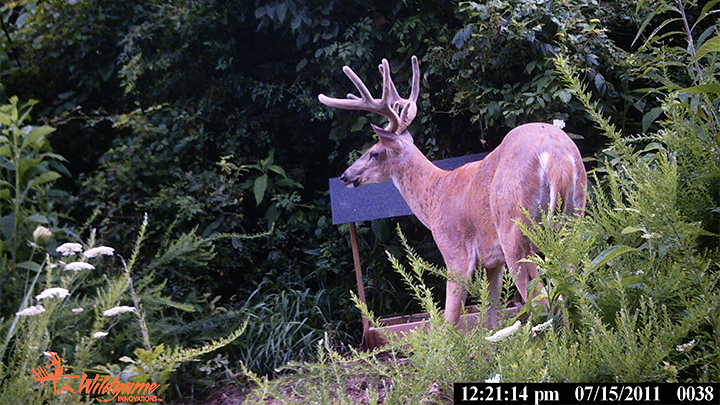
x,y
409,110
415,90
390,94
352,102
364,92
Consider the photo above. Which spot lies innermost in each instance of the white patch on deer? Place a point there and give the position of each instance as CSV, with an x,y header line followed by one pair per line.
x,y
544,160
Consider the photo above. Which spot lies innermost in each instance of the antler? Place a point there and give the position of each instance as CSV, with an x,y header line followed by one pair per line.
x,y
399,111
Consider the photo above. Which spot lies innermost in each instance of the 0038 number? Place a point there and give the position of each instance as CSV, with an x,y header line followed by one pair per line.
x,y
695,393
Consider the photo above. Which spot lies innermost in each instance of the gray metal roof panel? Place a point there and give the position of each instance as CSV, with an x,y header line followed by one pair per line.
x,y
375,201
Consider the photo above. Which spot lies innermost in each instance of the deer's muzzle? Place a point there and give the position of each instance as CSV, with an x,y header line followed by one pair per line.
x,y
350,182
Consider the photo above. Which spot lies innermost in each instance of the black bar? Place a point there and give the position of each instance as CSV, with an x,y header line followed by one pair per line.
x,y
581,393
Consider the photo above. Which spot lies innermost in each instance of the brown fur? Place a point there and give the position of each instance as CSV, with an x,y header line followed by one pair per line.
x,y
471,209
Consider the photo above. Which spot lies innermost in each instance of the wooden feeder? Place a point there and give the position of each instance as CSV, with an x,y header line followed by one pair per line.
x,y
376,201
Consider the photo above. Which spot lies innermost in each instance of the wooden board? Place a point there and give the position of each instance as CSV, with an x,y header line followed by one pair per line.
x,y
376,337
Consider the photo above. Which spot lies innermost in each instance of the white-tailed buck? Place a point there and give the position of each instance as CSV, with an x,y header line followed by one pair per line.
x,y
470,210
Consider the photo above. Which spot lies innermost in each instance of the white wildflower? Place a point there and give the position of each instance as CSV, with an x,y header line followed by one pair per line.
x,y
685,346
100,250
77,266
68,249
559,123
98,335
543,326
77,310
31,311
503,333
495,379
53,292
41,235
118,310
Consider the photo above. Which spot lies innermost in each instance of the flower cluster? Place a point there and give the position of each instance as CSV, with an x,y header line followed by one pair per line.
x,y
77,266
52,292
543,326
41,235
494,380
97,251
70,249
685,346
510,330
31,311
67,249
503,333
118,310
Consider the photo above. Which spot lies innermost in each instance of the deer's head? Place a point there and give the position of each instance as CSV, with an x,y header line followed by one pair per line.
x,y
377,164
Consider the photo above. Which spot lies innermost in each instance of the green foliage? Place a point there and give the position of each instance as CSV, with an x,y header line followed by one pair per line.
x,y
499,65
77,315
148,97
158,364
285,325
27,168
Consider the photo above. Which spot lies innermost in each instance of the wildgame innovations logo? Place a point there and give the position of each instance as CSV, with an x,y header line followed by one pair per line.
x,y
113,390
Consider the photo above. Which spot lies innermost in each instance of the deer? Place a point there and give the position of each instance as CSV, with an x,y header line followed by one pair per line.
x,y
472,211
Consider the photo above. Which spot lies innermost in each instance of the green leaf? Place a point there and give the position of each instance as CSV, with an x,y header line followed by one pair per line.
x,y
5,119
709,88
633,229
36,134
696,230
277,169
29,265
45,178
259,188
281,11
564,95
609,254
6,151
39,218
706,9
650,117
359,124
711,45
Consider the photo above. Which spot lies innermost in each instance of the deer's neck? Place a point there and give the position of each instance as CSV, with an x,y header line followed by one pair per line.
x,y
418,179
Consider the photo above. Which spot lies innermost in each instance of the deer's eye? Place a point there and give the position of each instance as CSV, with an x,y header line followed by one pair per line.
x,y
374,156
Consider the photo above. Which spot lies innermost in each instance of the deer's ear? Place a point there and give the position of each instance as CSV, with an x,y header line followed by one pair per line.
x,y
387,138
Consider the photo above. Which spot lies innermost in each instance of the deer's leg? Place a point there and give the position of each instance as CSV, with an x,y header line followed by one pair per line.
x,y
454,301
494,278
515,248
460,266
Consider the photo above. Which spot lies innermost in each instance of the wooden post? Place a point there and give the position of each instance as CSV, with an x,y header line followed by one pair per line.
x,y
359,280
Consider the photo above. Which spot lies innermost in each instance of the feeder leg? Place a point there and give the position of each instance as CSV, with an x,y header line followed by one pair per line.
x,y
369,341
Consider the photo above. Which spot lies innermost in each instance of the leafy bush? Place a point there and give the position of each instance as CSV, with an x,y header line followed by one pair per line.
x,y
28,168
77,313
497,70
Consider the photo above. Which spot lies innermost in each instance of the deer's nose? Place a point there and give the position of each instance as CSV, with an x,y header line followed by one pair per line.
x,y
349,181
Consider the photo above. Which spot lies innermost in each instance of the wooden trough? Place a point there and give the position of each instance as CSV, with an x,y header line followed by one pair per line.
x,y
376,201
